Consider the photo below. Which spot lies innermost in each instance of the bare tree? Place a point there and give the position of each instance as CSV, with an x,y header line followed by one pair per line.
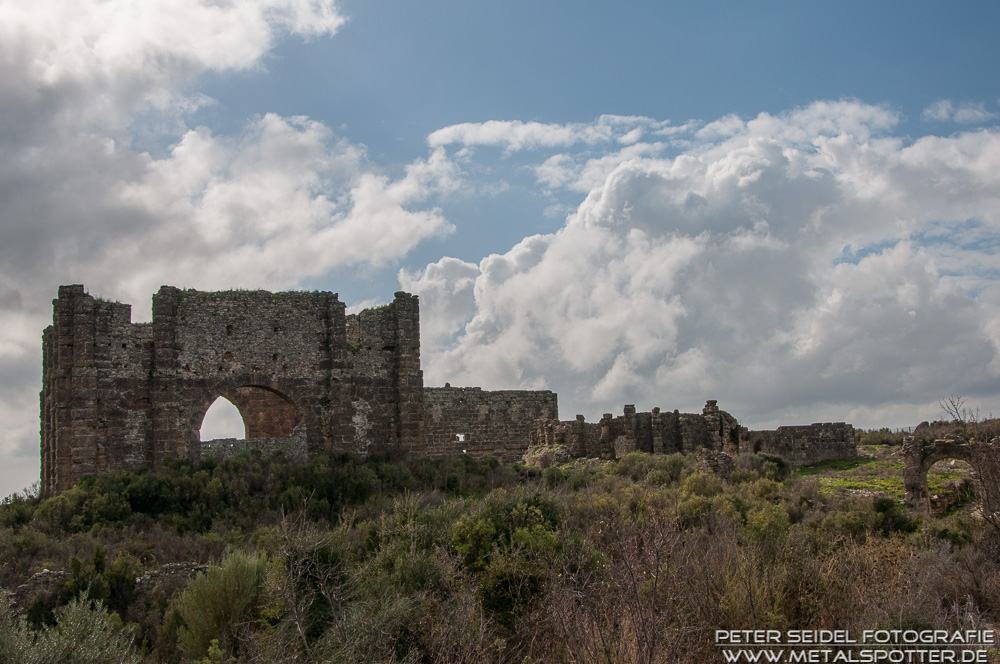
x,y
985,459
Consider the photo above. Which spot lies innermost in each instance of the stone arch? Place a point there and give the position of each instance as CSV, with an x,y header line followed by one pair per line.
x,y
920,456
123,395
268,410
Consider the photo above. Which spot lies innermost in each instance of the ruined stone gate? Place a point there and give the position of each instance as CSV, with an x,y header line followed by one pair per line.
x,y
308,377
304,375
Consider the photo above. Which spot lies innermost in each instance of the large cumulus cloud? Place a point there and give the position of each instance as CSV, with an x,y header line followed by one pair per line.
x,y
806,265
105,181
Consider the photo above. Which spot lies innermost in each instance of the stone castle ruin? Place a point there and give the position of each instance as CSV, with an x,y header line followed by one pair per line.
x,y
308,377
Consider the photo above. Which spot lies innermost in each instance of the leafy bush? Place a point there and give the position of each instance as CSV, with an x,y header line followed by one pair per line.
x,y
83,634
225,604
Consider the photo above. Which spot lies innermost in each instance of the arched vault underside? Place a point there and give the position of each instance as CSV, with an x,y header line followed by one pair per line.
x,y
919,456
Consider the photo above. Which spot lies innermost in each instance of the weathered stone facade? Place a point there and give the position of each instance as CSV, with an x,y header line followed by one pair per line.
x,y
304,375
920,454
803,445
713,429
471,420
307,377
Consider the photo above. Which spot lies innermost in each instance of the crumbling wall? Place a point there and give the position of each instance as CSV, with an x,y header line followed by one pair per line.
x,y
294,447
470,420
805,445
713,430
117,395
96,389
654,432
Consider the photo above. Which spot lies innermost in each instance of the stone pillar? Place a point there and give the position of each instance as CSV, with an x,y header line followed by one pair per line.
x,y
47,417
409,377
327,422
84,387
630,425
578,443
69,392
915,475
607,441
657,427
168,435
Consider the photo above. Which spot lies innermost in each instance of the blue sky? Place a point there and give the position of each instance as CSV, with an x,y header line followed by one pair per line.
x,y
790,207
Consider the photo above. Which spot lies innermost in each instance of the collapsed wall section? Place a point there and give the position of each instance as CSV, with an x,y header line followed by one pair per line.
x,y
654,432
470,420
712,430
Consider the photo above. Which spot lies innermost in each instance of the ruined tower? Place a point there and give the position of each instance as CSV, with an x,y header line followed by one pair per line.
x,y
119,395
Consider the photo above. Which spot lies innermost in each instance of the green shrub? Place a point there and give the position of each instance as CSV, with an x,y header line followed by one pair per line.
x,y
83,634
224,603
476,536
702,485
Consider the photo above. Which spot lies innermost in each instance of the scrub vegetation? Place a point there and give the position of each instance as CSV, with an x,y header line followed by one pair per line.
x,y
345,559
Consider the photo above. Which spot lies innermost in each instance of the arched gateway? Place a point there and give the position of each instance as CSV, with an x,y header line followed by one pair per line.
x,y
122,395
920,455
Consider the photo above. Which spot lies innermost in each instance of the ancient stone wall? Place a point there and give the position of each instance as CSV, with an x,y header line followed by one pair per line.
x,y
304,375
804,445
713,429
470,420
293,447
118,395
654,432
307,377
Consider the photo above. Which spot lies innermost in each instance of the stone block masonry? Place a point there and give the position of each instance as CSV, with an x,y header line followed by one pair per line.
x,y
304,375
713,431
804,445
461,420
307,377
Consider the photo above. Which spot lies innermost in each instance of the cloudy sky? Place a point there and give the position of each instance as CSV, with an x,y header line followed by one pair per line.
x,y
793,208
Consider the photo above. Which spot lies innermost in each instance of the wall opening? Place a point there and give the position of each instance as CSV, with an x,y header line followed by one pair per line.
x,y
950,484
222,420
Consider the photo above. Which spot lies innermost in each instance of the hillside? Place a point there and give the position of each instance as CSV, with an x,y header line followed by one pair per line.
x,y
345,559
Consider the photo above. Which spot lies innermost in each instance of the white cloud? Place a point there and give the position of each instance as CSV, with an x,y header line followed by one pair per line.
x,y
83,82
944,110
514,135
446,296
283,203
562,170
718,273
